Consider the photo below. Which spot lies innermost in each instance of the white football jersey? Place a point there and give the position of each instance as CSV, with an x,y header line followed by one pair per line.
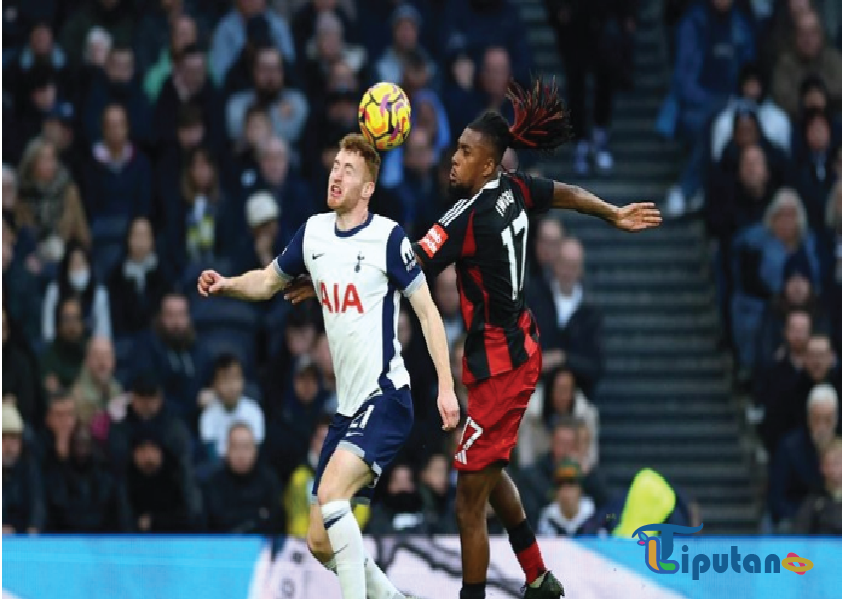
x,y
358,276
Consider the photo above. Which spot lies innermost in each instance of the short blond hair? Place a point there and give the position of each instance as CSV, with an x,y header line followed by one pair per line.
x,y
356,142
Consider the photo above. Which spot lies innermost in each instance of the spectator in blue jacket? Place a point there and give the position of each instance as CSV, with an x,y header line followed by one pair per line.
x,y
795,470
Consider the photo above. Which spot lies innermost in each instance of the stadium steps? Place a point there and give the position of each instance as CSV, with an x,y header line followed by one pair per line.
x,y
665,400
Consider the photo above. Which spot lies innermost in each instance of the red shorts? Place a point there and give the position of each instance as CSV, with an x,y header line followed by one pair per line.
x,y
495,409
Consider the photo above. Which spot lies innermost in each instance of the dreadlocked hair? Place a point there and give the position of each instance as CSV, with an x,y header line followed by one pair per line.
x,y
541,120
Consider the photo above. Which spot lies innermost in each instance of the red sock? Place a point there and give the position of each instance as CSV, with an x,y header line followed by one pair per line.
x,y
531,562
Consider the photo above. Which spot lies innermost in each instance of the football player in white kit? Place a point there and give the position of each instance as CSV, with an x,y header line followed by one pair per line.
x,y
359,264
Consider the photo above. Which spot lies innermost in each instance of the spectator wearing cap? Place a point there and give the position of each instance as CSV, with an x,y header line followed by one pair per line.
x,y
147,412
821,512
189,84
406,26
117,83
49,203
292,423
96,386
118,178
244,496
571,511
113,16
261,245
293,197
228,406
59,127
82,496
795,471
63,357
287,106
161,497
808,56
230,35
23,494
183,32
138,283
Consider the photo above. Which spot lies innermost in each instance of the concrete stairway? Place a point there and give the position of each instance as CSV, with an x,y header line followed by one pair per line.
x,y
665,401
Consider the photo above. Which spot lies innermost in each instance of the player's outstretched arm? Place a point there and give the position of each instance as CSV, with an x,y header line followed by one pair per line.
x,y
632,217
433,329
260,284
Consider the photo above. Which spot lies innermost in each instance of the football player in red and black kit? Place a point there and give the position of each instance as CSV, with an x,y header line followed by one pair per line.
x,y
484,234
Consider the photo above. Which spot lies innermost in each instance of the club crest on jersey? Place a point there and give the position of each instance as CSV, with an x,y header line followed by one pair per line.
x,y
434,240
338,300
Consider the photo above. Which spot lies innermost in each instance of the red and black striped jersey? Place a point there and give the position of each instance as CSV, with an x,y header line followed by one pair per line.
x,y
485,236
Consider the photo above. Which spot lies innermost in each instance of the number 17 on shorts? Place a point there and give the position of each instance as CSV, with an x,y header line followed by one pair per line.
x,y
470,435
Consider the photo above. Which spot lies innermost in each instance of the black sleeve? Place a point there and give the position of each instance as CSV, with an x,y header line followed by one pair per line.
x,y
537,192
444,243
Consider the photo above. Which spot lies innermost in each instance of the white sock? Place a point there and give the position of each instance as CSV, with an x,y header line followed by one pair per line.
x,y
377,584
348,550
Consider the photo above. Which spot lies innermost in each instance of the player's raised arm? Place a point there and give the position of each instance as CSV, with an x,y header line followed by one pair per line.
x,y
632,217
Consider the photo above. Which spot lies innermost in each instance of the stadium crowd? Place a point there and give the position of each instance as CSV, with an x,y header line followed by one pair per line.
x,y
756,95
145,140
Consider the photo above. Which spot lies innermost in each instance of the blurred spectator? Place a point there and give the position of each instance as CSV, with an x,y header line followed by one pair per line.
x,y
40,49
261,246
59,128
23,493
229,406
795,470
809,55
427,435
287,107
299,496
798,293
292,195
563,399
23,121
480,24
138,284
324,362
812,173
119,84
536,482
326,49
18,23
60,423
75,277
821,513
460,93
182,34
400,507
147,415
118,181
49,203
81,495
549,232
779,32
21,381
597,38
241,173
446,293
152,34
294,419
292,337
188,84
172,351
96,386
753,93
714,41
113,16
406,25
307,20
230,35
195,225
761,253
438,495
158,491
571,510
243,496
570,325
63,357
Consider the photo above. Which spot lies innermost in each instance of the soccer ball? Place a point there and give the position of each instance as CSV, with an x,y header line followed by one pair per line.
x,y
384,116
